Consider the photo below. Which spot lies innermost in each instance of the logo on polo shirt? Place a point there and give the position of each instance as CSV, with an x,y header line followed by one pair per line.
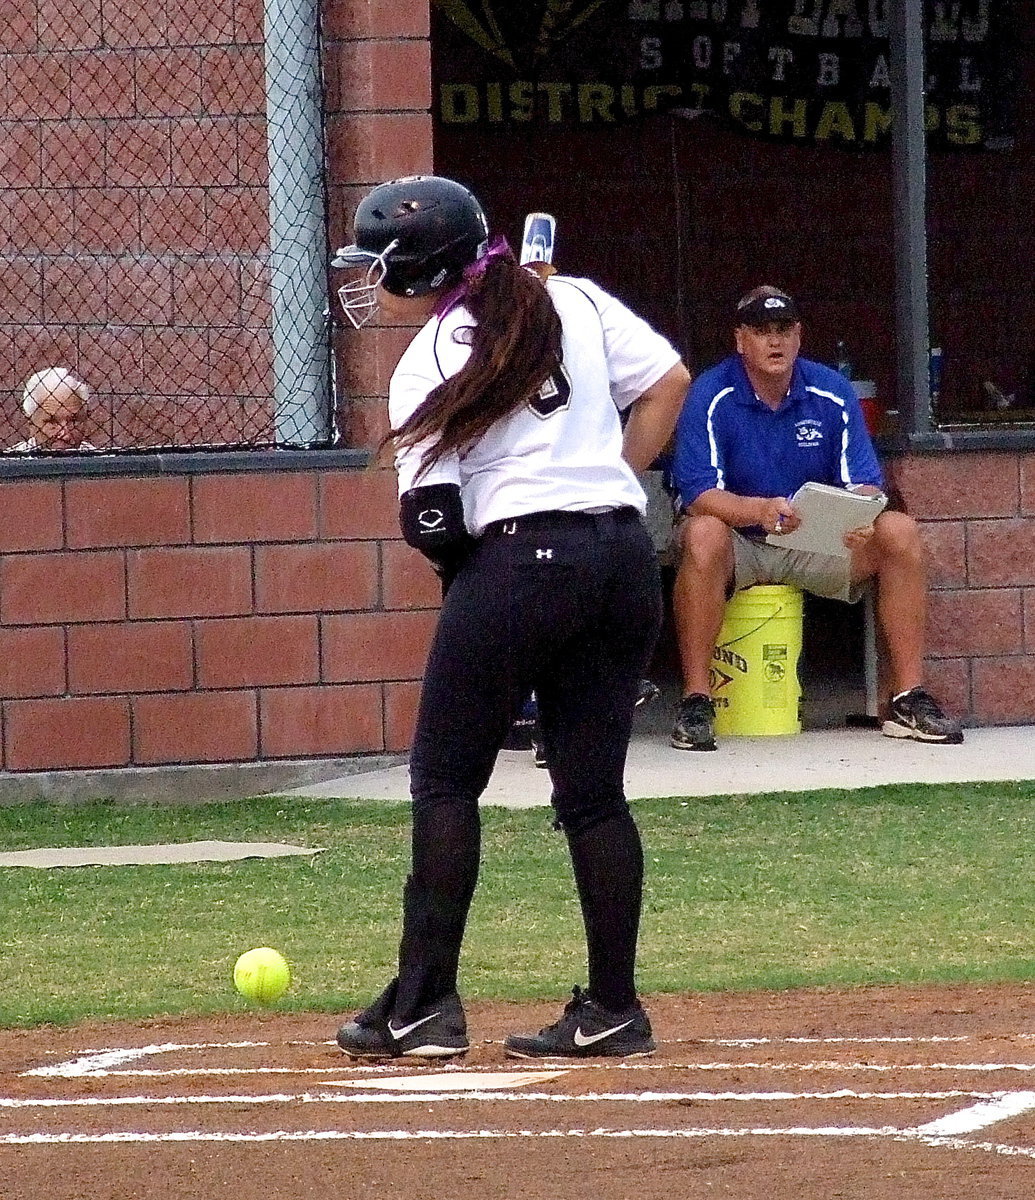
x,y
808,433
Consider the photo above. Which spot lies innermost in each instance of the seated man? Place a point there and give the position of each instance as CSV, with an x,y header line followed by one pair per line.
x,y
753,430
55,402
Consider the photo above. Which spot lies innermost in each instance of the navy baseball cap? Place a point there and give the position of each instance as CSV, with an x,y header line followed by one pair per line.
x,y
764,310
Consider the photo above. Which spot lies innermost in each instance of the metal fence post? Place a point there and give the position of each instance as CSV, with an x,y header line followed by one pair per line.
x,y
298,226
909,169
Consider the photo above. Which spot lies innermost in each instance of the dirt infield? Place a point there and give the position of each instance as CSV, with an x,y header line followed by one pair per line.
x,y
809,1095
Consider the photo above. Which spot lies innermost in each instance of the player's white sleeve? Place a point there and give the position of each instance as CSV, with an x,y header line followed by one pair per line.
x,y
637,355
408,463
406,392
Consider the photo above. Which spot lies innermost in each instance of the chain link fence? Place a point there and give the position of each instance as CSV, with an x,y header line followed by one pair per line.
x,y
163,226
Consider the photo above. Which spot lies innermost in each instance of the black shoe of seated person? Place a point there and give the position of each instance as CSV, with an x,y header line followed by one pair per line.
x,y
695,723
646,693
538,746
916,714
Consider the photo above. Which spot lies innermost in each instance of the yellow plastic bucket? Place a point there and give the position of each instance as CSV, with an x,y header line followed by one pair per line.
x,y
754,669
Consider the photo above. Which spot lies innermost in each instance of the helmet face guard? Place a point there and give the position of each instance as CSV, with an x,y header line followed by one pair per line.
x,y
359,296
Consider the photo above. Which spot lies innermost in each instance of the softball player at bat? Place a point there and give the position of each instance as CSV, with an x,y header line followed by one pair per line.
x,y
516,481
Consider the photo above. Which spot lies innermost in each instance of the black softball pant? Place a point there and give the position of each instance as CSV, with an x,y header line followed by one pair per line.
x,y
568,605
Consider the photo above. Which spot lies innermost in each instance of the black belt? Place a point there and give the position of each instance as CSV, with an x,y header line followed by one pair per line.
x,y
557,517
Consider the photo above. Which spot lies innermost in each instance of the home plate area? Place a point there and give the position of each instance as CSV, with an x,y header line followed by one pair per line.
x,y
874,1092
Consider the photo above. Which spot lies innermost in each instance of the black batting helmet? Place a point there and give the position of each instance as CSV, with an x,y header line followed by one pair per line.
x,y
424,229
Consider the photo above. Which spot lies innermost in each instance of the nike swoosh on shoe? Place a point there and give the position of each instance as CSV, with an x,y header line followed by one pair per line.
x,y
588,1039
399,1034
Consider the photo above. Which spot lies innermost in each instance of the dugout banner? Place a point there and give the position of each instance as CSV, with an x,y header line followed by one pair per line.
x,y
804,71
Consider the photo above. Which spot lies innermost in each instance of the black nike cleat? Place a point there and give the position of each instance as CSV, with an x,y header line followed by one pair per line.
x,y
437,1030
587,1030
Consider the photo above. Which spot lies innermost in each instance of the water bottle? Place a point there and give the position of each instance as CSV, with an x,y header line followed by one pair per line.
x,y
935,374
843,364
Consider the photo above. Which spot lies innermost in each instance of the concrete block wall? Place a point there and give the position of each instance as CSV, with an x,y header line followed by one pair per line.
x,y
377,67
977,514
203,619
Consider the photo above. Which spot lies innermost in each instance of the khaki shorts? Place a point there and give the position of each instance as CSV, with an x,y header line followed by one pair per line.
x,y
826,575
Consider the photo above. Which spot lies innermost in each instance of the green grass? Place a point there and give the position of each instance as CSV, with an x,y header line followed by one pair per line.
x,y
895,884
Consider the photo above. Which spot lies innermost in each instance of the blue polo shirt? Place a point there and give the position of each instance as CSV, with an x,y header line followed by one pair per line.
x,y
729,439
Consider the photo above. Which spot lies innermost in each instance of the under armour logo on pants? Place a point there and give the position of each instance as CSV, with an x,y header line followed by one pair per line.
x,y
544,554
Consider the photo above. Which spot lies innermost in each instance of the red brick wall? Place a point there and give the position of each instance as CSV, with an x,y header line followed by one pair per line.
x,y
197,618
978,520
190,619
221,618
377,66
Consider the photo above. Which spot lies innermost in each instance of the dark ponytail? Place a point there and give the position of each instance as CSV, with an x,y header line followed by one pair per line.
x,y
515,348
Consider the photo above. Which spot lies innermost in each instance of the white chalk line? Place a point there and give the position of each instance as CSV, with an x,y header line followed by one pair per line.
x,y
991,1108
427,1135
173,1072
401,1135
816,1041
91,1061
549,1097
979,1116
408,1135
820,1065
98,1061
967,1144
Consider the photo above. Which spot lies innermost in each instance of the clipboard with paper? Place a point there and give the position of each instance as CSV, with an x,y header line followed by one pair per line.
x,y
827,514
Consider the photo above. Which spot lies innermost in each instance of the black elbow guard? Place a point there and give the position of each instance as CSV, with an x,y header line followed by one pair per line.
x,y
432,520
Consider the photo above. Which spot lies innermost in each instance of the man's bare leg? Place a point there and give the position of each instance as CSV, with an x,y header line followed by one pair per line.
x,y
894,556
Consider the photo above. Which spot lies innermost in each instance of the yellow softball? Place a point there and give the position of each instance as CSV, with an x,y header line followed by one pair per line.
x,y
262,975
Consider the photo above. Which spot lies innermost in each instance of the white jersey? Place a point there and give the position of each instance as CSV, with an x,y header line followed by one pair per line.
x,y
563,450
